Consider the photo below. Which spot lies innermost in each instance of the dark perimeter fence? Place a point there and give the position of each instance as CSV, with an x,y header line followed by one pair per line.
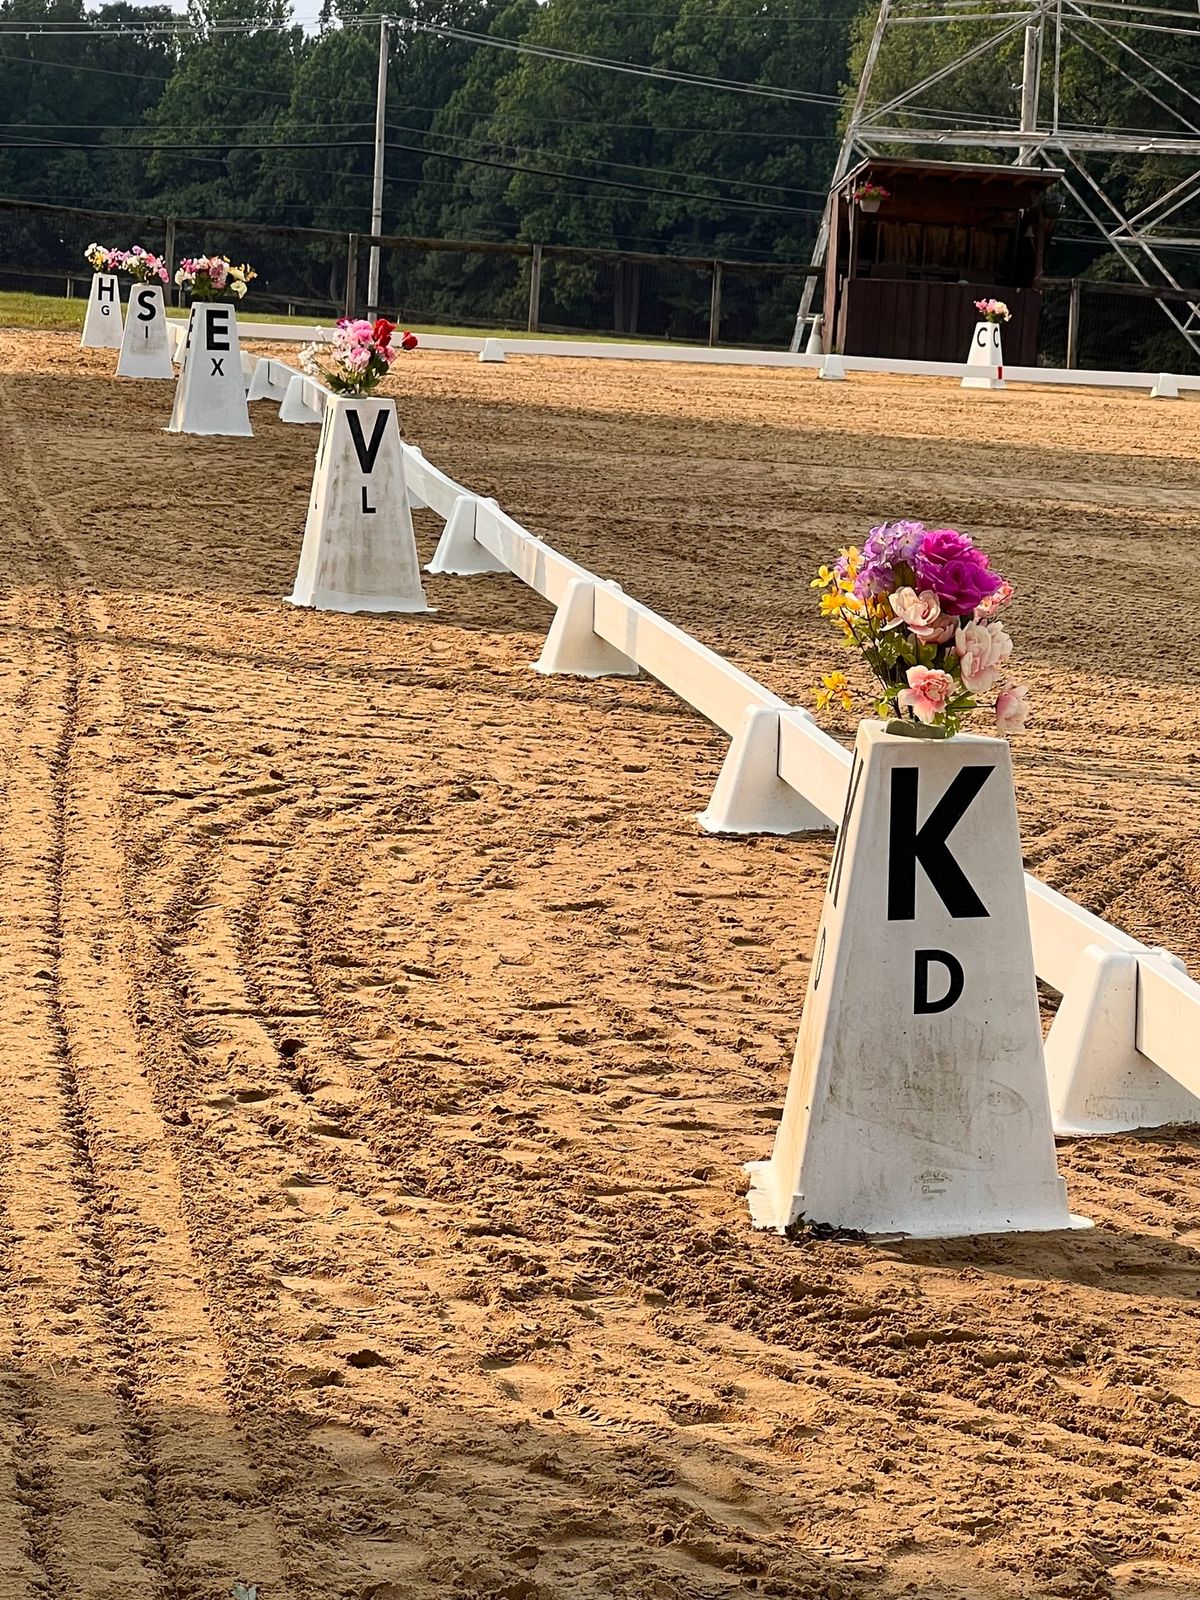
x,y
554,288
463,283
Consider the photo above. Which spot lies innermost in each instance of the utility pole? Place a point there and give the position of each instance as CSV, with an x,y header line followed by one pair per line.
x,y
1030,84
377,186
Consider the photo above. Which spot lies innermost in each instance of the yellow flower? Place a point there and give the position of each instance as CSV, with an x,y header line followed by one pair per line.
x,y
837,687
823,578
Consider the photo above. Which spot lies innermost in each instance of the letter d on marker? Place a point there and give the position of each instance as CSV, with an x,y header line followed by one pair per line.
x,y
922,1004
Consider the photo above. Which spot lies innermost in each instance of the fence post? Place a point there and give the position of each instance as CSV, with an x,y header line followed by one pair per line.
x,y
535,289
1073,302
714,306
351,274
169,255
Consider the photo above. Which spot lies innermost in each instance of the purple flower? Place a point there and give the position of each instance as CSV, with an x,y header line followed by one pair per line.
x,y
888,547
948,563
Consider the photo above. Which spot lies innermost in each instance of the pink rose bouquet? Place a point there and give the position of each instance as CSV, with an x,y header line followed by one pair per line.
x,y
358,356
993,310
920,605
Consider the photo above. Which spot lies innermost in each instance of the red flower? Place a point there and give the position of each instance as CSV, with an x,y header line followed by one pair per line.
x,y
408,341
382,332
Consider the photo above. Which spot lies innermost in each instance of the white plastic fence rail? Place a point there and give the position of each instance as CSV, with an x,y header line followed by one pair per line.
x,y
816,766
1071,377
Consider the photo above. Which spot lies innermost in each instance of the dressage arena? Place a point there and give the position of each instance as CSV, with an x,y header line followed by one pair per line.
x,y
381,1040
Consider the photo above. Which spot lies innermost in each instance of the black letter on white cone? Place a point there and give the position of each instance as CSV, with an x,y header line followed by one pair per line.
x,y
218,323
908,845
106,290
364,450
218,370
922,1004
145,300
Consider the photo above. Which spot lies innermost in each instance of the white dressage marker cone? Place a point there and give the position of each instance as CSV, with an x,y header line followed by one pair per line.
x,y
917,1102
1099,1080
833,367
750,796
492,350
359,553
102,320
210,396
458,551
1166,387
985,359
815,347
145,347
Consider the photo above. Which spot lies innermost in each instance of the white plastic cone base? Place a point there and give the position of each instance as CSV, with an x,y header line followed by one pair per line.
x,y
573,647
750,796
270,381
985,358
492,350
299,402
102,319
1099,1080
359,553
833,368
917,1102
459,552
145,347
815,347
210,397
1165,387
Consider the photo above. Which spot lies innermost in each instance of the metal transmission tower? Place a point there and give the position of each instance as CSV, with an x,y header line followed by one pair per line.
x,y
1041,117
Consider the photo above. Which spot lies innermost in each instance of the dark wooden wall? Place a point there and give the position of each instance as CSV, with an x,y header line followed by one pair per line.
x,y
922,321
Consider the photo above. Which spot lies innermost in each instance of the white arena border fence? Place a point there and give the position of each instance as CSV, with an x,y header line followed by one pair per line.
x,y
1095,1041
699,355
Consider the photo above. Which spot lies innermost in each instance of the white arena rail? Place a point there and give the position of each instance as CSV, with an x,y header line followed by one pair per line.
x,y
1165,1019
700,355
1127,1009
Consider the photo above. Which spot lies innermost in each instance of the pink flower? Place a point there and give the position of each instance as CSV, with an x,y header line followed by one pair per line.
x,y
992,603
928,691
1012,708
983,648
922,615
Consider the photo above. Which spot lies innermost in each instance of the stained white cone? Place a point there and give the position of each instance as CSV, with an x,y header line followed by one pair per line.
x,y
210,396
917,1102
359,552
102,320
985,358
145,347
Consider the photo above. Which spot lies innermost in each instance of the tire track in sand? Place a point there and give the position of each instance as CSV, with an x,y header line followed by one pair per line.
x,y
162,1495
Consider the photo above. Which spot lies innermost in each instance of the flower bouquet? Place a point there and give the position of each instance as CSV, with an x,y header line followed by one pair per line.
x,y
139,264
919,604
868,196
213,278
99,257
993,310
357,357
